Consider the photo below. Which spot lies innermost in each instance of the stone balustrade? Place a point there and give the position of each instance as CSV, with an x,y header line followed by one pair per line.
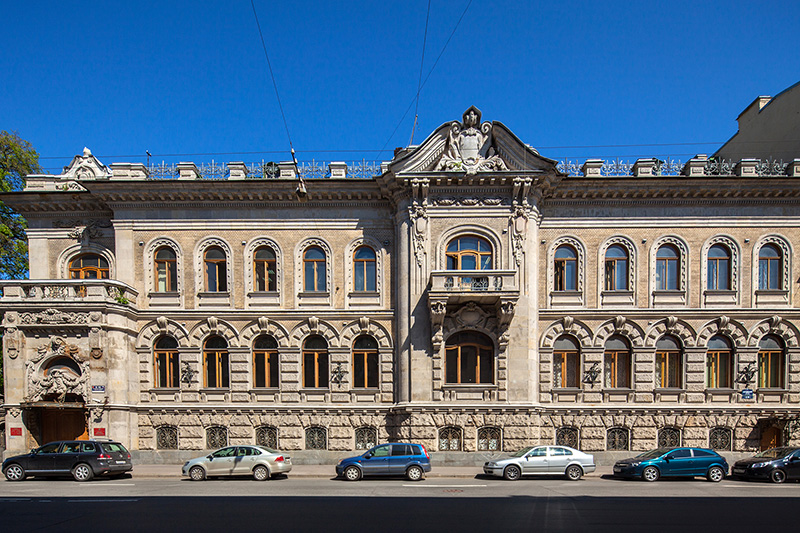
x,y
68,290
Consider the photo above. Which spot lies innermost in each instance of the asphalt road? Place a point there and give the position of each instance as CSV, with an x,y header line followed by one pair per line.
x,y
395,505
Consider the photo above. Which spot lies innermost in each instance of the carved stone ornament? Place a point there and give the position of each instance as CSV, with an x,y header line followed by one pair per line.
x,y
213,323
469,146
57,381
313,324
54,316
470,315
14,412
86,167
263,324
419,231
505,312
162,322
438,310
363,324
96,353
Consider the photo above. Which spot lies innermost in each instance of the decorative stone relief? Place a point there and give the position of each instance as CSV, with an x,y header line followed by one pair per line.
x,y
54,316
518,222
567,326
419,231
724,326
57,381
86,167
12,342
469,146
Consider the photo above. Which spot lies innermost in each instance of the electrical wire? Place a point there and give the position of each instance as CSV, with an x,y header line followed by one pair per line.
x,y
421,64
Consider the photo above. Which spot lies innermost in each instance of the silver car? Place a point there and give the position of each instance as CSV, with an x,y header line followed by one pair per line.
x,y
542,460
257,461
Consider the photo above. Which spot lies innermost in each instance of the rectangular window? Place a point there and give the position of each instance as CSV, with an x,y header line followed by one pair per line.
x,y
769,274
668,369
617,369
166,369
265,276
315,369
770,369
667,275
565,368
365,370
216,370
718,370
265,368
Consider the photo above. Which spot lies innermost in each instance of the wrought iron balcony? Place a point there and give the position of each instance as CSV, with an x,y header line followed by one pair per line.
x,y
51,291
483,286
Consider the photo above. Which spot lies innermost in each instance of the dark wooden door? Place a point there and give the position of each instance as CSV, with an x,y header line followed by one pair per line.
x,y
770,438
63,424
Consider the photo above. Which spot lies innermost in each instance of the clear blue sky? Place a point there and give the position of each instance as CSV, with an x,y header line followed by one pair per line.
x,y
191,77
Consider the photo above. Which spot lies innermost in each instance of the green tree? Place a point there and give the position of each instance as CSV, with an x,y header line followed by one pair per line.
x,y
17,159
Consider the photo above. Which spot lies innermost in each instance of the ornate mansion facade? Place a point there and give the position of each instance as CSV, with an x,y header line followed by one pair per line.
x,y
470,294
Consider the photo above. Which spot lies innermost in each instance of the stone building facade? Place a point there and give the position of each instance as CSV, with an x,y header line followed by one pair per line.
x,y
471,295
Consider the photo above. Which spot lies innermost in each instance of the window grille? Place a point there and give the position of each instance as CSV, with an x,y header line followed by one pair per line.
x,y
216,437
490,439
449,439
316,438
566,436
167,438
267,436
669,438
720,439
366,438
617,439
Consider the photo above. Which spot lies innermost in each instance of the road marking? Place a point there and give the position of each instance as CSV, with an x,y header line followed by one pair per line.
x,y
15,499
441,486
110,485
95,500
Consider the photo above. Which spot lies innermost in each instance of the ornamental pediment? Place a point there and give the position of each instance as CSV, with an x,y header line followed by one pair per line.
x,y
86,167
471,147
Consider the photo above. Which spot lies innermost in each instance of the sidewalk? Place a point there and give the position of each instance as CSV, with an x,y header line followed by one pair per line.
x,y
328,471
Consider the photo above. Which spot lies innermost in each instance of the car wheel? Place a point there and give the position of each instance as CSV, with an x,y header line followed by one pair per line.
x,y
414,473
14,472
715,474
512,473
260,473
777,476
196,473
650,473
352,473
574,472
82,472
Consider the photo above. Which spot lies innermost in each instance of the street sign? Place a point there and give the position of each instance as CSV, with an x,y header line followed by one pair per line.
x,y
747,394
98,388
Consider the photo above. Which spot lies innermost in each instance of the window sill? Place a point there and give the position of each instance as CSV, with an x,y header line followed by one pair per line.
x,y
713,297
617,298
165,389
669,389
669,298
313,298
771,298
567,389
470,385
213,299
164,299
263,298
566,299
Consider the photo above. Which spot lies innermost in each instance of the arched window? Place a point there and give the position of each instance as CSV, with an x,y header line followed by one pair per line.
x,y
264,270
469,358
566,269
617,439
215,363
267,436
366,438
770,267
719,268
88,266
566,361
166,270
365,363
314,270
669,359
450,439
469,253
616,268
719,363
364,270
669,438
668,268
63,365
720,439
216,270
490,439
771,367
316,438
315,362
167,438
166,362
216,437
567,436
617,360
265,362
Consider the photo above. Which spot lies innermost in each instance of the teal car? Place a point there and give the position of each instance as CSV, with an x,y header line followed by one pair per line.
x,y
675,462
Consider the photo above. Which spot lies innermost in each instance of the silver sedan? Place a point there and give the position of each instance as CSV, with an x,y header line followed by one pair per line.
x,y
257,461
551,460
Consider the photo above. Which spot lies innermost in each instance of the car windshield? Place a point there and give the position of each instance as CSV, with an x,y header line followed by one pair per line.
x,y
522,452
224,452
652,454
775,453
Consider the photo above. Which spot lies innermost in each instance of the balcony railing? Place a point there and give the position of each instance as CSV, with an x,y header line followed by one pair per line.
x,y
473,281
67,290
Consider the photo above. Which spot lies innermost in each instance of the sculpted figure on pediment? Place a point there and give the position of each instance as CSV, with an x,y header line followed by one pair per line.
x,y
469,146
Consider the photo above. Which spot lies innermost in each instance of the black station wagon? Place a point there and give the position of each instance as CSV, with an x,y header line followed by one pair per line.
x,y
83,459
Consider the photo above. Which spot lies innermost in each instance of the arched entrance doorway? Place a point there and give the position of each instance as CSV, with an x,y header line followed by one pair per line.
x,y
771,437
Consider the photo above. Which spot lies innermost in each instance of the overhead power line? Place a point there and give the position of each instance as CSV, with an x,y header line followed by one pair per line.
x,y
421,64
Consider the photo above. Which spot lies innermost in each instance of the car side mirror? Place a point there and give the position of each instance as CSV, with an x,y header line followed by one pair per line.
x,y
368,456
794,458
527,457
33,451
669,457
210,457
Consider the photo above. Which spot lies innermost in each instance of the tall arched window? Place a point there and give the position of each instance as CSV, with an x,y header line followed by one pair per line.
x,y
364,270
216,270
314,270
669,358
166,270
616,268
771,362
315,362
566,269
166,362
719,363
215,363
617,366
469,358
490,439
719,268
88,266
668,268
265,362
566,361
365,362
469,253
770,267
264,270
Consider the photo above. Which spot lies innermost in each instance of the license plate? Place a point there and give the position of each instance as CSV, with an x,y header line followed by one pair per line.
x,y
120,462
738,470
617,469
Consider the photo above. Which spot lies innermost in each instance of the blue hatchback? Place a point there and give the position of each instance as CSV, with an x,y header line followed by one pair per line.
x,y
686,462
393,459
